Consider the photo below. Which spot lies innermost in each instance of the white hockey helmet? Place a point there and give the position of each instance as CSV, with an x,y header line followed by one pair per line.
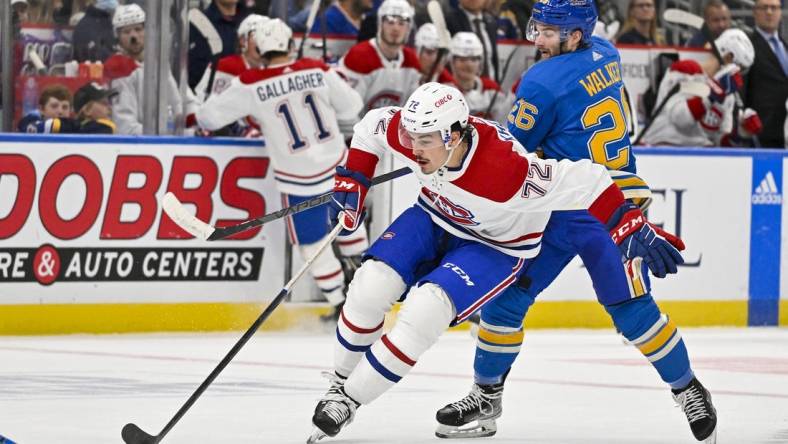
x,y
466,44
394,8
735,41
249,24
273,35
127,15
427,37
433,107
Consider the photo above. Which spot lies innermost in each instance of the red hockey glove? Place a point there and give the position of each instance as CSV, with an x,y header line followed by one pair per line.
x,y
347,204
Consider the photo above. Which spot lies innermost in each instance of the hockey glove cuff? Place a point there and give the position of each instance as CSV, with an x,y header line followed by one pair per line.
x,y
347,203
637,238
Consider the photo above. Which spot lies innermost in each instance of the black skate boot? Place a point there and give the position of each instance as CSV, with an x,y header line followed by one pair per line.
x,y
332,317
695,401
334,412
482,406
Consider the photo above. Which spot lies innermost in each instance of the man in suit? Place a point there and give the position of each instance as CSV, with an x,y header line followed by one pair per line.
x,y
470,16
767,80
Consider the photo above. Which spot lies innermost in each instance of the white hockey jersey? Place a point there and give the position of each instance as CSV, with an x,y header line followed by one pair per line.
x,y
482,94
380,82
500,195
689,119
127,105
297,105
227,69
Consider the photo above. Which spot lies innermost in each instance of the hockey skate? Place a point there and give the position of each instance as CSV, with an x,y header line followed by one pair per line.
x,y
695,401
473,416
332,413
332,317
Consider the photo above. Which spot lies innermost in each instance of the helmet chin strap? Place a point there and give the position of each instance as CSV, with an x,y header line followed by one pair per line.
x,y
437,175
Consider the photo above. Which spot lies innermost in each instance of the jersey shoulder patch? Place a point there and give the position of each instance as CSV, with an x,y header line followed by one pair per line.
x,y
484,176
232,64
362,58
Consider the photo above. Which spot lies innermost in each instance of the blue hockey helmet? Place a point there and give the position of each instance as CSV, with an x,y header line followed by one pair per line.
x,y
566,15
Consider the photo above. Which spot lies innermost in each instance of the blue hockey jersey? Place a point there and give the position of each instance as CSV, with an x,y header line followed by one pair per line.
x,y
573,107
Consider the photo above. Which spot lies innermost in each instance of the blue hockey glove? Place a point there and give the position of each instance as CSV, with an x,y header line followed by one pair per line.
x,y
635,236
347,204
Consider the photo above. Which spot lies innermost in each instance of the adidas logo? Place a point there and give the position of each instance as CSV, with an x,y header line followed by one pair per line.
x,y
596,56
767,193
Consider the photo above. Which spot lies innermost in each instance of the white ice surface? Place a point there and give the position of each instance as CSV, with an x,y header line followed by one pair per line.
x,y
568,386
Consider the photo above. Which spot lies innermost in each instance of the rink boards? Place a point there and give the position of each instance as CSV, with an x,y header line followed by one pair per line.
x,y
84,246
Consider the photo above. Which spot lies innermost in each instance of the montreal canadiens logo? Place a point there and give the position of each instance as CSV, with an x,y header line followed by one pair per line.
x,y
385,98
387,235
46,265
452,211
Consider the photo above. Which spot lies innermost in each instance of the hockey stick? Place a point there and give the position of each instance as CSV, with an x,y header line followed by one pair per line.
x,y
436,17
310,21
199,229
656,113
206,28
503,75
132,434
680,17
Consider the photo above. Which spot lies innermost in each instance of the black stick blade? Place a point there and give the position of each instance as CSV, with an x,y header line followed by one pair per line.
x,y
132,434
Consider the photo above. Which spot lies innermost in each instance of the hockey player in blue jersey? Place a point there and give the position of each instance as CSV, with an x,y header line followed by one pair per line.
x,y
570,105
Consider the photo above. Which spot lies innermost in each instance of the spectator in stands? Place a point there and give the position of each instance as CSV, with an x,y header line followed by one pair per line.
x,y
128,76
767,80
298,13
513,18
226,16
54,102
93,36
19,11
344,17
716,18
640,27
470,16
92,104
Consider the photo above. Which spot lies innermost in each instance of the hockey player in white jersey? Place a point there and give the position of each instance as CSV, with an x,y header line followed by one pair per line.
x,y
297,104
428,45
699,110
128,76
231,66
383,70
484,95
473,229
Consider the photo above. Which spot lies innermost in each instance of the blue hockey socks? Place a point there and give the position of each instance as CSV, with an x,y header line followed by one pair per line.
x,y
656,336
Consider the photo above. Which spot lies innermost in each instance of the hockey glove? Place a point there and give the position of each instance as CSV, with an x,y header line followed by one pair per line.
x,y
637,238
727,81
347,203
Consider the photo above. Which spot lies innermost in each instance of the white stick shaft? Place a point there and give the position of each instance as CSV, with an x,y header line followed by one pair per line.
x,y
326,242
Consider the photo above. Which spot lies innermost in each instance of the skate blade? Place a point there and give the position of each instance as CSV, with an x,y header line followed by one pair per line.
x,y
712,439
482,429
316,436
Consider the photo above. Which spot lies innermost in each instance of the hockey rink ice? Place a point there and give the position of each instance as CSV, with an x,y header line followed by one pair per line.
x,y
568,386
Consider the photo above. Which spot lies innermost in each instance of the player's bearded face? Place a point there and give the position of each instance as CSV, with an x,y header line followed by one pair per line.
x,y
428,148
466,68
547,41
132,38
395,30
